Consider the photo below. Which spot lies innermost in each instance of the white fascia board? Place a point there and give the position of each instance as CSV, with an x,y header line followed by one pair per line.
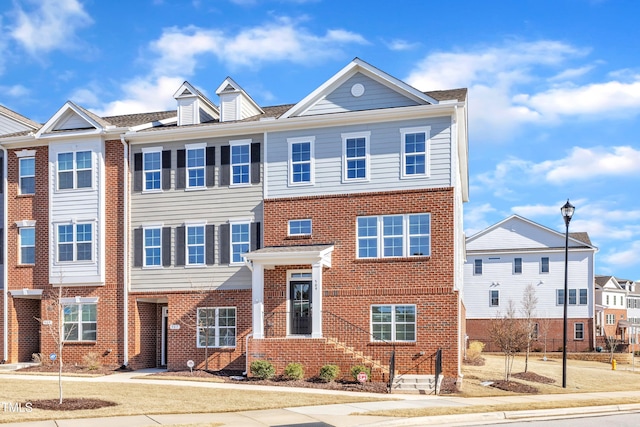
x,y
294,123
67,107
183,86
519,251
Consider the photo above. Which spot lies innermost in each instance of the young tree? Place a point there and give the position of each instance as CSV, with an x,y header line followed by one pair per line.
x,y
509,335
528,310
544,327
612,344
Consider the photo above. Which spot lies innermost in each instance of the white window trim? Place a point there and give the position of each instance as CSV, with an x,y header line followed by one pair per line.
x,y
481,267
231,224
491,291
216,327
20,175
80,302
575,331
74,172
312,160
74,223
427,151
521,265
199,146
144,246
20,246
235,143
367,136
149,150
289,233
548,265
188,225
393,321
405,236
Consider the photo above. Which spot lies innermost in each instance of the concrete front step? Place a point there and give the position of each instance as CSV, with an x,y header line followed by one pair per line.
x,y
16,366
416,383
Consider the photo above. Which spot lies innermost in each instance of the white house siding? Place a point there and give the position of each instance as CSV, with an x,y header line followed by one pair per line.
x,y
497,274
172,208
385,159
8,126
86,204
376,95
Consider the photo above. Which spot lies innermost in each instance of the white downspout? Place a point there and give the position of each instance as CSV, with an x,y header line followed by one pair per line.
x,y
125,250
5,302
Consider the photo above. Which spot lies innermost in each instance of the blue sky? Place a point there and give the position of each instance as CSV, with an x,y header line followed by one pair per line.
x,y
554,86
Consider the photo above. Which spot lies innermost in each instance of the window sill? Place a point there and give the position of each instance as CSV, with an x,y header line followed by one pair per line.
x,y
152,267
25,195
195,266
25,265
416,176
298,237
195,189
80,342
218,348
394,343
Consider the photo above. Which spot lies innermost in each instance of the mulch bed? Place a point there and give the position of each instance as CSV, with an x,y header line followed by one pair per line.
x,y
530,376
478,361
71,404
514,387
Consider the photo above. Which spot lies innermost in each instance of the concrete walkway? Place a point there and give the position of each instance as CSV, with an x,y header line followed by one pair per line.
x,y
331,415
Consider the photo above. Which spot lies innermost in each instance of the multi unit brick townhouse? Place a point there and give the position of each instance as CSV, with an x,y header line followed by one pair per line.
x,y
326,231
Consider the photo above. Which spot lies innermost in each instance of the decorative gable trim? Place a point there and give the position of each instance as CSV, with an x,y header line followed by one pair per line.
x,y
72,118
235,103
193,107
355,66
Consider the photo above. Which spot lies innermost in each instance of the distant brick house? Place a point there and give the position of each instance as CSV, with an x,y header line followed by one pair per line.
x,y
326,231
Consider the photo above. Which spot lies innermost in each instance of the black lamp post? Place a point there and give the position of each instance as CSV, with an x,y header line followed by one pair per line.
x,y
567,212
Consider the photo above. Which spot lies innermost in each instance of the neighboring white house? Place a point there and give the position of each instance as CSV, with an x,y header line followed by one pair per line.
x,y
617,310
506,257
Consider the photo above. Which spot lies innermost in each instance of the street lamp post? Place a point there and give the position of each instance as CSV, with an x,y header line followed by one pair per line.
x,y
567,212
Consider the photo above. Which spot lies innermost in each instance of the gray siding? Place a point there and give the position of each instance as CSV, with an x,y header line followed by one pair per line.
x,y
8,126
375,96
213,205
385,154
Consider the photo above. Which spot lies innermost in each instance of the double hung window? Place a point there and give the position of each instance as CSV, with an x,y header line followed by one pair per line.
x,y
152,247
477,267
217,327
196,167
355,156
152,166
27,245
494,298
240,163
394,236
415,151
75,242
195,245
74,170
80,322
240,241
517,266
393,322
578,331
544,265
27,171
301,160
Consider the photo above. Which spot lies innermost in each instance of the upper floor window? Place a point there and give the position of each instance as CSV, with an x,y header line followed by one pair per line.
x,y
415,154
152,247
394,236
300,227
80,322
240,163
27,171
544,264
217,327
583,297
477,267
195,245
196,167
240,241
573,297
517,266
27,245
75,242
393,322
152,166
611,319
301,160
355,156
74,170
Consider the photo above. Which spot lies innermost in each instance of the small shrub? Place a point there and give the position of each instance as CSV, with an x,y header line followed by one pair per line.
x,y
92,361
38,358
360,368
329,373
262,369
475,350
294,371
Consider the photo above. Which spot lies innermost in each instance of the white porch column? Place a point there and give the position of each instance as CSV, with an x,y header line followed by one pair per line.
x,y
257,298
316,308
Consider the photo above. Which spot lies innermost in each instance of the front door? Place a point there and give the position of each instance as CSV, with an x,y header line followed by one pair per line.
x,y
300,307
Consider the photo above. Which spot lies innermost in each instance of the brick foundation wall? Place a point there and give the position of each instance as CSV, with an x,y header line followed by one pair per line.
x,y
352,285
477,330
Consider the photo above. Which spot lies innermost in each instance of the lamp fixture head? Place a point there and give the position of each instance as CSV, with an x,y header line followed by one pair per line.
x,y
567,212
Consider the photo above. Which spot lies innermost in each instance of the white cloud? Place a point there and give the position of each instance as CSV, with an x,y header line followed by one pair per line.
x,y
625,257
51,25
475,218
572,73
144,94
401,45
14,91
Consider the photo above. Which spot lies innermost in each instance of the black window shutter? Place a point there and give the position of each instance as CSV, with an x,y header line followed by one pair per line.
x,y
255,163
211,166
166,246
137,172
210,241
137,247
225,170
224,237
166,169
1,175
181,170
256,241
180,245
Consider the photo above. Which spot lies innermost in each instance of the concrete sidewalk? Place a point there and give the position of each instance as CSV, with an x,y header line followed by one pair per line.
x,y
333,415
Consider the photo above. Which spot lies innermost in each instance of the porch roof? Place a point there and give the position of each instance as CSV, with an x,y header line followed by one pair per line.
x,y
271,256
26,293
